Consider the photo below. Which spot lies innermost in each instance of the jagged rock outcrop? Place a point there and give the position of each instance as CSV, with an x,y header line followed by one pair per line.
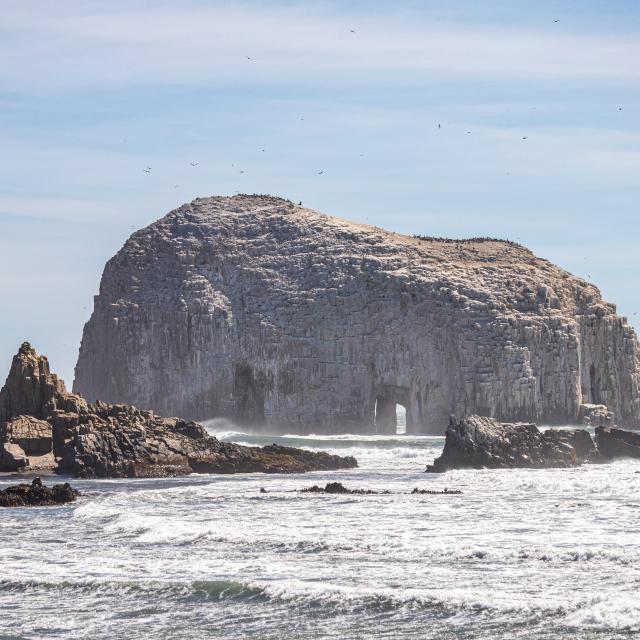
x,y
256,309
477,442
30,389
37,494
72,436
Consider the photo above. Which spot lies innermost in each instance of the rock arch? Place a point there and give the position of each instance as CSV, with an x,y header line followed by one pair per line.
x,y
255,309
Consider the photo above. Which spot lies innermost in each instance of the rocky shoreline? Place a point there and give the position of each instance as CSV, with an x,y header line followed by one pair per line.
x,y
478,442
45,428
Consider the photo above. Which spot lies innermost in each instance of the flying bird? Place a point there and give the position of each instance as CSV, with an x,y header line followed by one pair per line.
x,y
193,164
556,20
320,173
147,170
352,30
524,137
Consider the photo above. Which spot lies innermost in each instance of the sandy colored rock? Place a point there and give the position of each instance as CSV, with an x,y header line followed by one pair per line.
x,y
270,314
30,389
31,440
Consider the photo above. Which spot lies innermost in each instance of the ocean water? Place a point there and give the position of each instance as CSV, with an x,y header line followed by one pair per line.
x,y
520,554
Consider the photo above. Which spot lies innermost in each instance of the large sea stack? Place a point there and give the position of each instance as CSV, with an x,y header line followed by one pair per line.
x,y
256,309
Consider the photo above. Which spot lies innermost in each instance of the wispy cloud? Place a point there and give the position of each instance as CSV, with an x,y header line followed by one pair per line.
x,y
93,92
46,45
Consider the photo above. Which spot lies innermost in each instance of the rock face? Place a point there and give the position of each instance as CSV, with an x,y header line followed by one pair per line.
x,y
271,314
577,439
477,442
37,495
616,443
595,415
27,442
71,436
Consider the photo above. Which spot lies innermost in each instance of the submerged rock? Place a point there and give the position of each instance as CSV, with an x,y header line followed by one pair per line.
x,y
477,442
37,495
268,313
338,487
66,434
434,492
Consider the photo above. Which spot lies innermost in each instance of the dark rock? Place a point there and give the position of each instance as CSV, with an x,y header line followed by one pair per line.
x,y
37,495
617,443
579,439
477,442
61,431
338,487
432,492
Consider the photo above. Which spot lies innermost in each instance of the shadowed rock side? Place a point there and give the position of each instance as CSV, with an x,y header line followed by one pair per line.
x,y
71,436
616,443
268,313
477,442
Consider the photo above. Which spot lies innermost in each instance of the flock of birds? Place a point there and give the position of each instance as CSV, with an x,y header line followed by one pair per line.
x,y
321,172
195,163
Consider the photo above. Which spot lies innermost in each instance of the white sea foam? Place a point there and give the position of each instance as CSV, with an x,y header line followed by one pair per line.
x,y
521,553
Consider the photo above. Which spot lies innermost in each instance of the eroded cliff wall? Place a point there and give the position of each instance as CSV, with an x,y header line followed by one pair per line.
x,y
256,309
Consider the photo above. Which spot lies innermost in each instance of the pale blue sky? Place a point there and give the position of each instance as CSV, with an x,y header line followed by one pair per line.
x,y
93,92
